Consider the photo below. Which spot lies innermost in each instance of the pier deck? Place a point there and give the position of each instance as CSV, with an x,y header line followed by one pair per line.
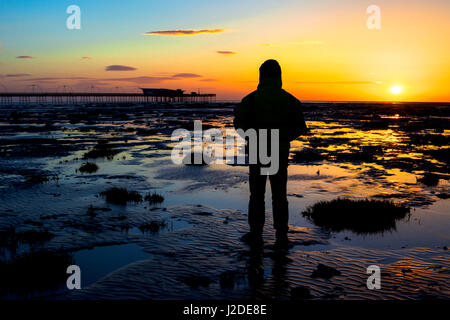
x,y
87,98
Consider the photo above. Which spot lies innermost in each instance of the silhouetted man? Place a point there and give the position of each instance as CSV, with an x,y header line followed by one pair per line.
x,y
270,107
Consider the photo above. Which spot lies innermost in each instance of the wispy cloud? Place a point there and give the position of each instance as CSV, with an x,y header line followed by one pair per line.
x,y
338,82
117,67
25,57
186,75
86,58
87,80
154,79
227,53
54,78
143,79
183,32
16,75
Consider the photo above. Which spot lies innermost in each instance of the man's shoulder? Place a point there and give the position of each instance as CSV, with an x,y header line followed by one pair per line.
x,y
251,95
290,96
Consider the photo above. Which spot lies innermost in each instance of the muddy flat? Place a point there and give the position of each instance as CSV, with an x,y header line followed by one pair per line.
x,y
175,233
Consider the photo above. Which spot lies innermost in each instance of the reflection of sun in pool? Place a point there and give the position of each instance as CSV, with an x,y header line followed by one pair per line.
x,y
396,89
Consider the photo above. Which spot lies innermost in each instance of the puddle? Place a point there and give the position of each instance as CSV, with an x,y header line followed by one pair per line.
x,y
100,261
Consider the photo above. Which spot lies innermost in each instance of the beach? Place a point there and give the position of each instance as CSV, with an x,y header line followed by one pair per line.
x,y
178,234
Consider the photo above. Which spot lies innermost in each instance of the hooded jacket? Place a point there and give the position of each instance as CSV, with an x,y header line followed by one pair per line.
x,y
270,107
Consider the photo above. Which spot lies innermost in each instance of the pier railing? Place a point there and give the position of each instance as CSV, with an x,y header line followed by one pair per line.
x,y
94,98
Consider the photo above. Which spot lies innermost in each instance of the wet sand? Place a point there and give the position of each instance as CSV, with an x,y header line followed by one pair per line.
x,y
379,151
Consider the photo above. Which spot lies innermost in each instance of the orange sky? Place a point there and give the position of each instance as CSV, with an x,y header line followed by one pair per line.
x,y
325,50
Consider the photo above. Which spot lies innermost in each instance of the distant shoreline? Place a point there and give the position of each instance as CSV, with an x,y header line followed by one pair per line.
x,y
342,101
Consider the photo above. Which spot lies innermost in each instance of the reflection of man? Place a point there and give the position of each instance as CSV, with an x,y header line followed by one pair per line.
x,y
270,107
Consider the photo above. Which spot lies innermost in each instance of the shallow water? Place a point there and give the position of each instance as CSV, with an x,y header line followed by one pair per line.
x,y
98,262
205,207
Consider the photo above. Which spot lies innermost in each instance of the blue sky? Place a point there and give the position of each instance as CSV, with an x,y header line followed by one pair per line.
x,y
316,41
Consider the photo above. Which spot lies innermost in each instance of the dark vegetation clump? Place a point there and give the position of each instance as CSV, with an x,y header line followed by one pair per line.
x,y
152,226
325,272
101,150
37,179
203,213
360,216
429,179
195,281
301,293
40,178
88,167
28,274
35,236
121,196
154,198
11,239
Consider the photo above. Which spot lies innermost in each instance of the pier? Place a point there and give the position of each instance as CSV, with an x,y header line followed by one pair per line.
x,y
95,98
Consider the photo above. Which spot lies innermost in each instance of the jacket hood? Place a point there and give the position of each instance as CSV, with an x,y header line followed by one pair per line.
x,y
274,82
270,74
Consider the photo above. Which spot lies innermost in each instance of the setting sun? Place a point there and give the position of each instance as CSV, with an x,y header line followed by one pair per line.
x,y
396,89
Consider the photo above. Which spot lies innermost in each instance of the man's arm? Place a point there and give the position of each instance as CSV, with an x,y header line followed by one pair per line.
x,y
297,124
242,115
